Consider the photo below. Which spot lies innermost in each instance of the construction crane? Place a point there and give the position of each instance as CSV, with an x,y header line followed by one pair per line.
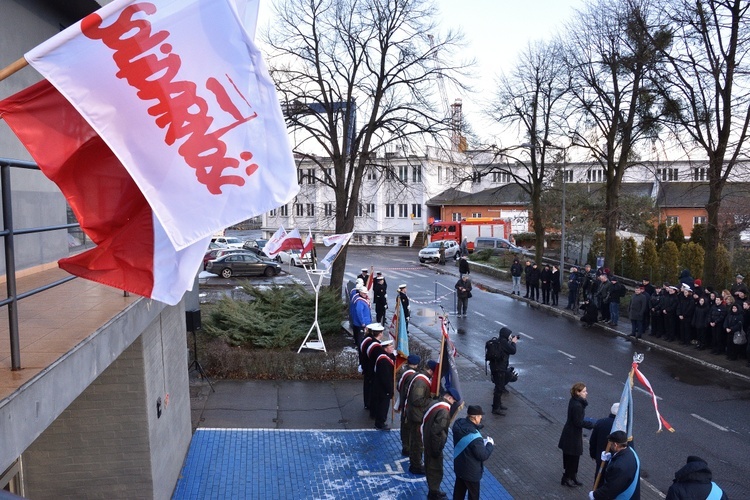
x,y
453,111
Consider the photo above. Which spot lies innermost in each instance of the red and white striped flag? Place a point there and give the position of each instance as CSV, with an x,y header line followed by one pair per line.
x,y
293,241
309,243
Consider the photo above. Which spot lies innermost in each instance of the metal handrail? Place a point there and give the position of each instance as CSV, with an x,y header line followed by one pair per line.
x,y
8,235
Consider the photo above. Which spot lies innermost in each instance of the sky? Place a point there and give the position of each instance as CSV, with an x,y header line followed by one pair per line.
x,y
495,31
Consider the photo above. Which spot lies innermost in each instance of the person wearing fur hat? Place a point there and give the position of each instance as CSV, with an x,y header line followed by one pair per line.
x,y
499,368
694,480
470,451
622,473
435,425
408,371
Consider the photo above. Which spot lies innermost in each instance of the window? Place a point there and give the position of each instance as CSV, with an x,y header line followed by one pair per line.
x,y
371,239
403,210
416,174
440,175
403,173
390,210
328,209
360,210
700,174
298,209
476,214
667,174
272,213
389,174
311,176
310,210
672,220
370,174
300,176
595,175
476,177
504,177
390,240
329,173
699,220
455,216
357,238
455,173
567,175
371,209
416,210
284,210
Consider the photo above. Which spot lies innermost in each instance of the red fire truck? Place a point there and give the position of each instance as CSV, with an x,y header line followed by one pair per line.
x,y
470,229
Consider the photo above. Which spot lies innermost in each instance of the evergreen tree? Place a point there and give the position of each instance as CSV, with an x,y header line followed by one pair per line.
x,y
691,257
630,259
669,261
596,249
724,273
698,235
677,235
661,235
650,261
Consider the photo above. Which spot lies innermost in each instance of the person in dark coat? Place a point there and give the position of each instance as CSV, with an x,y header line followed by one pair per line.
x,y
638,309
527,272
371,343
616,291
554,298
546,278
404,303
648,290
571,439
463,294
746,327
574,283
532,278
716,322
499,369
669,310
700,322
687,279
405,377
602,296
657,318
470,451
380,297
622,473
418,399
598,439
739,285
590,312
383,384
435,427
516,270
685,310
694,481
463,265
732,324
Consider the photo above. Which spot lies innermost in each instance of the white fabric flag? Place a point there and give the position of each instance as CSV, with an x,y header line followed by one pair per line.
x,y
273,245
179,92
338,240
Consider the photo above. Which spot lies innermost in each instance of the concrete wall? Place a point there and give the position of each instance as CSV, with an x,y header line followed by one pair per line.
x,y
110,442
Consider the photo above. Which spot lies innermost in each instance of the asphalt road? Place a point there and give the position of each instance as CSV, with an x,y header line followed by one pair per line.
x,y
708,409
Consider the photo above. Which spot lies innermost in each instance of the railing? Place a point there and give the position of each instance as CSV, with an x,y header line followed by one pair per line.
x,y
8,235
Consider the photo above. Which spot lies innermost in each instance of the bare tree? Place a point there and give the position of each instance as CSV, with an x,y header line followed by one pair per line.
x,y
708,90
340,62
529,99
609,56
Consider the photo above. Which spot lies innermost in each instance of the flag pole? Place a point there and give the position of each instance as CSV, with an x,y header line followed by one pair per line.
x,y
398,310
440,363
13,68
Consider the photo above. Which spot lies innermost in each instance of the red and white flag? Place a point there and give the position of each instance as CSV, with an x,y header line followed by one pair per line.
x,y
338,241
309,243
179,92
293,241
273,246
133,252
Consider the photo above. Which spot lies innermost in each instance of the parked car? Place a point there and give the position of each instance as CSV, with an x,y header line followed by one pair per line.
x,y
432,251
294,257
250,245
242,264
230,241
261,243
499,246
219,252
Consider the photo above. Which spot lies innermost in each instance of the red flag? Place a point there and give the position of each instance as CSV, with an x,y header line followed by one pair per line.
x,y
132,252
309,243
292,241
369,278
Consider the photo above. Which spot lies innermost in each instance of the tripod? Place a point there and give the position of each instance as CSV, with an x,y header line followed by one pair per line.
x,y
197,364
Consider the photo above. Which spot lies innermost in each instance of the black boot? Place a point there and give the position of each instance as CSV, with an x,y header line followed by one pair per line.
x,y
565,481
576,482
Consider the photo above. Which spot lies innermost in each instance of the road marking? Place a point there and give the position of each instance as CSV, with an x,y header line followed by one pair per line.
x,y
500,323
709,422
644,391
403,275
566,354
653,488
600,370
479,314
526,335
419,275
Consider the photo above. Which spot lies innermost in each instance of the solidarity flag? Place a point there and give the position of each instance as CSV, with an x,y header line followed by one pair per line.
x,y
338,241
292,241
309,243
273,246
179,92
399,334
446,371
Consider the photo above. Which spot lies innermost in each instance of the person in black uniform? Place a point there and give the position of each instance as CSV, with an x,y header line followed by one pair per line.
x,y
380,296
404,303
499,368
622,473
383,385
435,425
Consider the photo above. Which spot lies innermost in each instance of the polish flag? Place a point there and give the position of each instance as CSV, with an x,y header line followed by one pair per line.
x,y
133,252
293,241
309,243
179,92
273,246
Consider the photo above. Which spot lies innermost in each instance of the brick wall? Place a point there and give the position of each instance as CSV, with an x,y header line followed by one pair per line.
x,y
109,442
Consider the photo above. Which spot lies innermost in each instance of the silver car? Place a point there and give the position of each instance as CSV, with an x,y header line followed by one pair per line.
x,y
432,251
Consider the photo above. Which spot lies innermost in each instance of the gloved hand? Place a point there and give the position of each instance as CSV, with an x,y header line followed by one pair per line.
x,y
591,495
359,368
489,440
606,456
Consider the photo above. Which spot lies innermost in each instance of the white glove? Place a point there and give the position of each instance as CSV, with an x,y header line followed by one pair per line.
x,y
591,495
606,456
359,368
489,440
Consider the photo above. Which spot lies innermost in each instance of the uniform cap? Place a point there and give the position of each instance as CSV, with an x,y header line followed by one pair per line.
x,y
432,364
740,277
375,327
402,286
364,269
475,410
413,359
453,393
386,343
618,437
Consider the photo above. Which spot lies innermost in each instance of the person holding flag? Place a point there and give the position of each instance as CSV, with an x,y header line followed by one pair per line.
x,y
435,425
418,399
407,374
622,475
